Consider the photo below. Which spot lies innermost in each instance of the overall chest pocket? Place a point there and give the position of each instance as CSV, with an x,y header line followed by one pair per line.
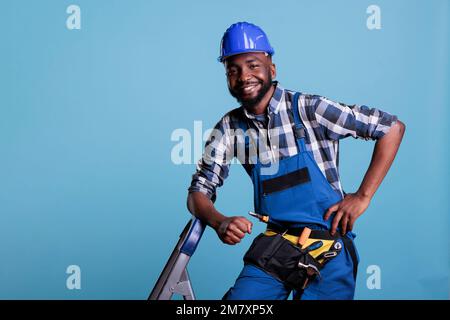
x,y
289,196
286,181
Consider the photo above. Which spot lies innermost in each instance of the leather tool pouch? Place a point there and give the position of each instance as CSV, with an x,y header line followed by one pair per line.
x,y
283,260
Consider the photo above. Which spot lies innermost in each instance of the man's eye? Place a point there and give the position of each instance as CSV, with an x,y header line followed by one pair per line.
x,y
253,66
231,72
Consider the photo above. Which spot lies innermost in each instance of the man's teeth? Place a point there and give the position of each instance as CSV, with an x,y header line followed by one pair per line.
x,y
249,88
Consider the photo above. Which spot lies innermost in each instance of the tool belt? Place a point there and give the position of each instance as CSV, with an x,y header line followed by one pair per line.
x,y
276,252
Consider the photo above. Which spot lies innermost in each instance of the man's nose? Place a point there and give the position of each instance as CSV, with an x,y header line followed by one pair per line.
x,y
245,75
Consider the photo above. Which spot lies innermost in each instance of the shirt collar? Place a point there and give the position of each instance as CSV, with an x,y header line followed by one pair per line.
x,y
274,103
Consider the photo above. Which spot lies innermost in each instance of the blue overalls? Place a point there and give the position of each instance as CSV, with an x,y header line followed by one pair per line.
x,y
297,195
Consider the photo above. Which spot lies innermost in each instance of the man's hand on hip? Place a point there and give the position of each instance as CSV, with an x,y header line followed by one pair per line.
x,y
233,229
347,211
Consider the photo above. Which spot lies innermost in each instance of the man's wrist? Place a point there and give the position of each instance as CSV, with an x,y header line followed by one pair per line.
x,y
217,220
364,194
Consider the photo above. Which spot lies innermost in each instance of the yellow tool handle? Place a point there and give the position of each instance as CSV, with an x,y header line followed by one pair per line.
x,y
304,236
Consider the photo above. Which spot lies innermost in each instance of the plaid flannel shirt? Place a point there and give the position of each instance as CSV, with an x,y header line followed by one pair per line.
x,y
325,121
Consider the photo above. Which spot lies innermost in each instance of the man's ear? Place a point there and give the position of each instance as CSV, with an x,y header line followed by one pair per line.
x,y
273,70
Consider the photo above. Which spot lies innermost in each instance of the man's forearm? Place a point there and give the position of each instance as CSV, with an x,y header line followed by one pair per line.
x,y
383,155
203,208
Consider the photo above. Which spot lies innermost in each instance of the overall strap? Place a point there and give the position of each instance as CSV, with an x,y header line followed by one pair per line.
x,y
243,125
350,246
298,128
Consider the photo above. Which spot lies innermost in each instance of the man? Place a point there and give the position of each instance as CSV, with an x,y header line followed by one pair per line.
x,y
290,143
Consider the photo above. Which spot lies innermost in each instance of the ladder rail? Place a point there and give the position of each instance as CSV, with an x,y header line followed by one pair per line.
x,y
174,278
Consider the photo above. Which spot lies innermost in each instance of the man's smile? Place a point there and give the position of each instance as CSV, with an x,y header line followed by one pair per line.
x,y
249,88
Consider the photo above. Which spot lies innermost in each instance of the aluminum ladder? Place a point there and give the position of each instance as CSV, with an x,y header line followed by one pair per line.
x,y
175,278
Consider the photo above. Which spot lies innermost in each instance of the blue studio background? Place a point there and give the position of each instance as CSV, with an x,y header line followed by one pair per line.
x,y
86,119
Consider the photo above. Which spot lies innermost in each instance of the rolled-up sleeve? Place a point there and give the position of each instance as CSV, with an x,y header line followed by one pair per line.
x,y
339,120
213,167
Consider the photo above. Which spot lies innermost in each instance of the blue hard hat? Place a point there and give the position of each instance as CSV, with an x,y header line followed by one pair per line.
x,y
244,37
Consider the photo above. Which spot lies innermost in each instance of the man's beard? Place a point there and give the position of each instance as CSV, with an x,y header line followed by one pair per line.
x,y
250,103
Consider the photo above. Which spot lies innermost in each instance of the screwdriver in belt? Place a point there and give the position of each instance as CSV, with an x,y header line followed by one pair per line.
x,y
261,217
